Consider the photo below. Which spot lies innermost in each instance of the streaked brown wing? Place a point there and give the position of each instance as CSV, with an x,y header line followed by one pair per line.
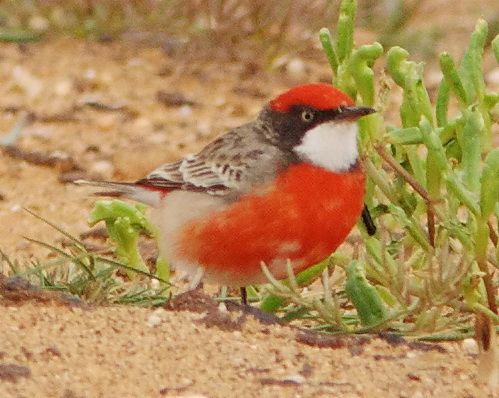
x,y
233,163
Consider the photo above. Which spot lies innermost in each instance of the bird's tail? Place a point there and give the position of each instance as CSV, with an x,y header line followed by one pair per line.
x,y
130,190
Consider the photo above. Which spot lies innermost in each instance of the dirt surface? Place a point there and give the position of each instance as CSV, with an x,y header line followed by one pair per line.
x,y
72,351
117,110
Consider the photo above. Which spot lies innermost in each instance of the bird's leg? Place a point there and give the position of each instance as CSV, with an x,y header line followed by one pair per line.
x,y
244,296
263,317
368,221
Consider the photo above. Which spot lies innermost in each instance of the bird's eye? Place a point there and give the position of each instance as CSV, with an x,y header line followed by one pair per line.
x,y
307,116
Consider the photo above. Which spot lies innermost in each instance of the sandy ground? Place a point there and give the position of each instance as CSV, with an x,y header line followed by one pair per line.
x,y
98,104
51,349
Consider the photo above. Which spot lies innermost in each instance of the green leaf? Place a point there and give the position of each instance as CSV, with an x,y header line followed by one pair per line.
x,y
361,63
386,295
346,24
364,296
327,46
471,149
453,79
495,47
397,64
105,210
442,104
489,192
124,222
407,136
471,68
18,35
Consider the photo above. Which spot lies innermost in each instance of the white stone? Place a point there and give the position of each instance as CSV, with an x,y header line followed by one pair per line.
x,y
90,74
470,346
296,378
155,318
222,307
104,168
38,23
25,80
295,68
185,111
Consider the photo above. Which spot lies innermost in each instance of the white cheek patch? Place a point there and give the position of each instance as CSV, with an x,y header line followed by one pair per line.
x,y
332,146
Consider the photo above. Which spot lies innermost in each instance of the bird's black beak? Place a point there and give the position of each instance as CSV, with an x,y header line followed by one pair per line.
x,y
354,112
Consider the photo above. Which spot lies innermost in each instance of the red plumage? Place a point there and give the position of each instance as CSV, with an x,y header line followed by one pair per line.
x,y
317,95
304,217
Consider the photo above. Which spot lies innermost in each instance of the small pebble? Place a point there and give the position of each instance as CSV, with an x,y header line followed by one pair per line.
x,y
470,346
220,101
185,111
155,285
297,379
155,318
104,168
295,68
15,208
24,79
89,74
38,23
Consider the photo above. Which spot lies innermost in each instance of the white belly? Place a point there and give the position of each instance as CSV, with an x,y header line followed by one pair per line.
x,y
176,210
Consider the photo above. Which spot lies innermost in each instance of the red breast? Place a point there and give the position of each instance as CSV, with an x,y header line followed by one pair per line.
x,y
303,217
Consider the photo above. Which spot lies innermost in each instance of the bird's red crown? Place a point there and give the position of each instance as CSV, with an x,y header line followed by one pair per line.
x,y
319,96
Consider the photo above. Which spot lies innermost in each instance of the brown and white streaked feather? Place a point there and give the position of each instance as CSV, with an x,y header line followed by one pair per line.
x,y
230,166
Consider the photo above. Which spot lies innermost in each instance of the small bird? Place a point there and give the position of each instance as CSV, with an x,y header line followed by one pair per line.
x,y
287,186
